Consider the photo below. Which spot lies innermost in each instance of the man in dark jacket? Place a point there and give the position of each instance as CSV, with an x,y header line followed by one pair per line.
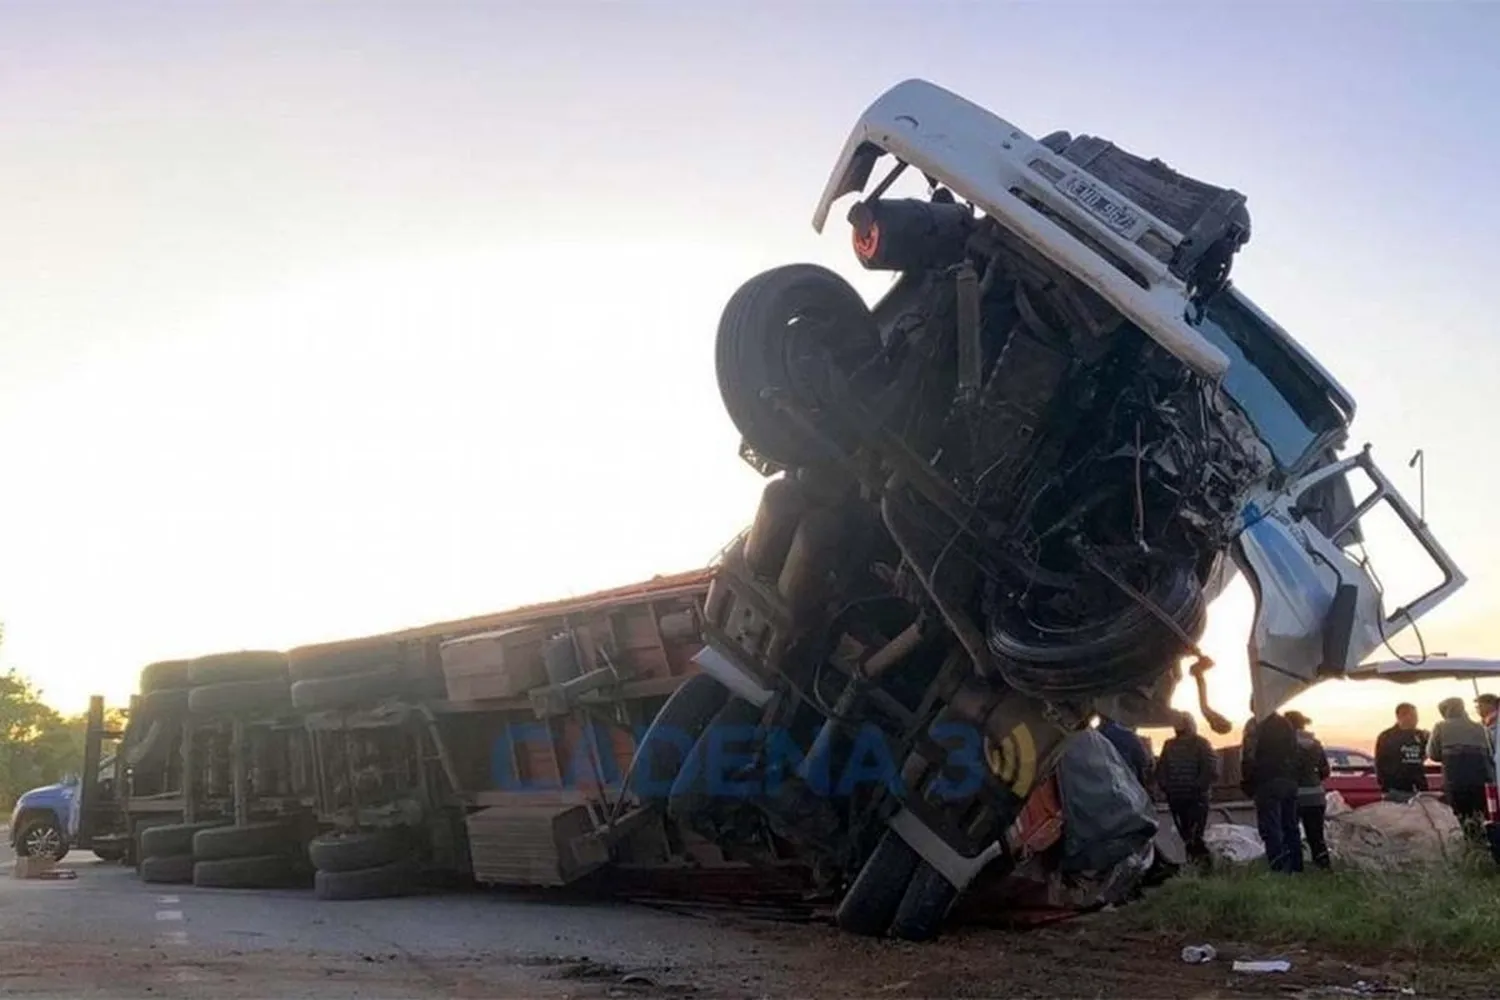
x,y
1273,776
1312,800
1399,755
1186,772
1462,746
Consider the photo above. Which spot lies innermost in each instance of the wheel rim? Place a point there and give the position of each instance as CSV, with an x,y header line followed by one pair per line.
x,y
44,842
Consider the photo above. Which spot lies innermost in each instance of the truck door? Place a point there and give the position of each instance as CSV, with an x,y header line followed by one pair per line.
x,y
1320,607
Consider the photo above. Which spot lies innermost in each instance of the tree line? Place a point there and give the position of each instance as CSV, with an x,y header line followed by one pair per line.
x,y
38,744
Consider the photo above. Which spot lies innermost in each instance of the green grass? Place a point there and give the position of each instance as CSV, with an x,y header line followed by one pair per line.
x,y
1451,912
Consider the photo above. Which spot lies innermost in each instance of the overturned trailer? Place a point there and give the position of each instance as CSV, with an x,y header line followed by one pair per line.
x,y
1002,498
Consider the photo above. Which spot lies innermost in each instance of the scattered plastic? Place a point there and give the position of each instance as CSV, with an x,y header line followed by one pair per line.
x,y
1267,965
1234,842
1197,954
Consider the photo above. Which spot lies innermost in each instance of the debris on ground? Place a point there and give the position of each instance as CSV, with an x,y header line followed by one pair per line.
x,y
1265,965
1197,954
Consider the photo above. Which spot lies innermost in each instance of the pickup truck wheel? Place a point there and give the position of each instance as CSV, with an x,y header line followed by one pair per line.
x,y
262,697
873,899
926,903
669,739
395,879
176,868
164,675
221,843
347,691
172,839
354,851
774,335
246,665
41,838
268,871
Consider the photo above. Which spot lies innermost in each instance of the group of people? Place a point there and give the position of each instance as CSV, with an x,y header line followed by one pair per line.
x,y
1284,765
1465,749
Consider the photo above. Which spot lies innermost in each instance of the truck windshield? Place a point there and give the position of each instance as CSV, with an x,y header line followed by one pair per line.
x,y
1289,407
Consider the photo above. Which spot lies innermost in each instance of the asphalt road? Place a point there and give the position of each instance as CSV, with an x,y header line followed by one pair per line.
x,y
105,933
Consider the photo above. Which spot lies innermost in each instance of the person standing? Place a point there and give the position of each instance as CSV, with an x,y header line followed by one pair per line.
x,y
1130,748
1312,800
1400,752
1273,775
1186,772
1462,746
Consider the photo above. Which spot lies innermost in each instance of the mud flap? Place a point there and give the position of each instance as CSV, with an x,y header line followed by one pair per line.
x,y
1318,611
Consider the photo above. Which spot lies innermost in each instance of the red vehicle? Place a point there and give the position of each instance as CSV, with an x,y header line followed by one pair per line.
x,y
1354,778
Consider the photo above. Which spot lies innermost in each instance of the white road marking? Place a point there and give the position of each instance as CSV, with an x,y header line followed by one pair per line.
x,y
167,899
188,976
174,937
168,914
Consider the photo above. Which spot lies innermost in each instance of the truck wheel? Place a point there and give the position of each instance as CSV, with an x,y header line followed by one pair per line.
x,y
246,665
872,901
670,737
347,690
163,703
927,901
164,675
694,794
241,698
395,879
221,843
172,839
311,662
268,871
167,868
1063,659
353,851
41,838
770,338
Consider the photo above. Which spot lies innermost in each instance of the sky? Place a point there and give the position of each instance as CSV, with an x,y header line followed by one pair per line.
x,y
322,320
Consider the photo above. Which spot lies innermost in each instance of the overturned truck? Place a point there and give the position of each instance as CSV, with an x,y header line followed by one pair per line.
x,y
1002,498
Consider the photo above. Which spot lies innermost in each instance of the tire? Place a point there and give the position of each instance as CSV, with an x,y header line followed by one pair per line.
x,y
267,871
671,736
245,665
138,752
759,348
693,799
333,660
163,703
252,840
396,879
357,851
164,675
928,899
1103,656
173,838
876,894
134,855
170,868
348,690
263,697
42,838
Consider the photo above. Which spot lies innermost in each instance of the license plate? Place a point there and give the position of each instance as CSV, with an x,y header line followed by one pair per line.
x,y
1108,208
